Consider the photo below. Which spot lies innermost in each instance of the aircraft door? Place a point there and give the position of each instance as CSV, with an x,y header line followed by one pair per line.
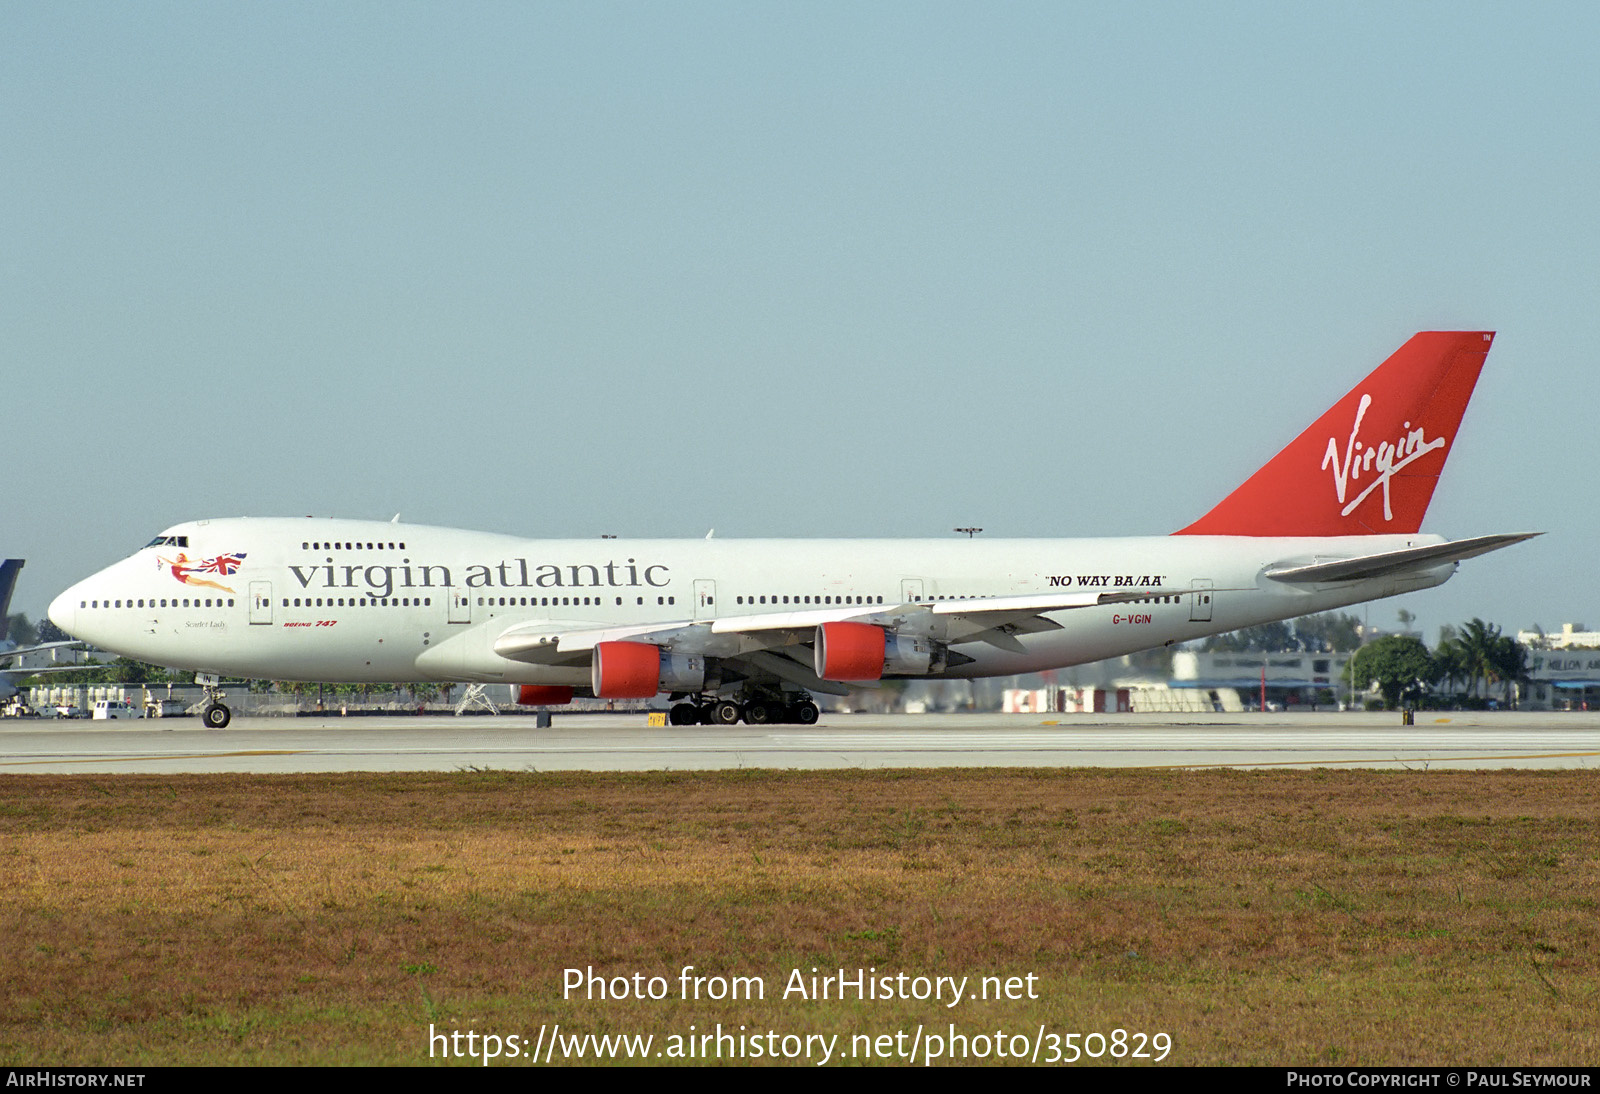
x,y
910,590
1200,600
460,606
705,598
261,602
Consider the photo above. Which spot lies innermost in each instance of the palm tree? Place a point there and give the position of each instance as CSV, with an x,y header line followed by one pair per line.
x,y
1451,660
1511,665
1478,640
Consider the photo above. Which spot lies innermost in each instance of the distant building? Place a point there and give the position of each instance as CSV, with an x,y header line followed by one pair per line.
x,y
1572,636
1564,679
1292,679
1136,698
1563,668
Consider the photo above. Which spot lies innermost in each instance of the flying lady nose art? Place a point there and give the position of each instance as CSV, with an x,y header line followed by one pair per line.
x,y
189,572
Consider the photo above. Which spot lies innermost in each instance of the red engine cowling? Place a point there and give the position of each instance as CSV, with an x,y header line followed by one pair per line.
x,y
849,651
638,670
538,695
626,670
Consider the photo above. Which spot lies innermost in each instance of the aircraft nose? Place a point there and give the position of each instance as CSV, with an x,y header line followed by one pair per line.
x,y
63,611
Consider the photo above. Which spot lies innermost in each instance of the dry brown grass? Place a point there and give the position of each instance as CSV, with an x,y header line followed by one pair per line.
x,y
1276,917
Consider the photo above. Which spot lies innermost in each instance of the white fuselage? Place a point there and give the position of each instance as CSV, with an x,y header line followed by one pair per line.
x,y
358,601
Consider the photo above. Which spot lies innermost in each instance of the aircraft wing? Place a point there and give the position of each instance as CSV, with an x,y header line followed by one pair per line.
x,y
23,674
18,651
1392,562
995,620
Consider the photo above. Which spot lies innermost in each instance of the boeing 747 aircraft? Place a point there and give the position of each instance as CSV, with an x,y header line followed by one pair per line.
x,y
747,629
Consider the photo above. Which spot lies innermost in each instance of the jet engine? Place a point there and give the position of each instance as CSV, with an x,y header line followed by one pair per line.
x,y
848,652
638,670
541,695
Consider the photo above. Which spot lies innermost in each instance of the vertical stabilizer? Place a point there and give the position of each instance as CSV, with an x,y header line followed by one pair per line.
x,y
1369,465
8,581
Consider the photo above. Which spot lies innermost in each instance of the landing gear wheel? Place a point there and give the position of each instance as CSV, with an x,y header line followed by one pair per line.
x,y
683,714
758,713
725,713
216,716
806,713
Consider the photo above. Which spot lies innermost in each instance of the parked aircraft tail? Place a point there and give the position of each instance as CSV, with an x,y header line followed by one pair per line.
x,y
1369,465
8,581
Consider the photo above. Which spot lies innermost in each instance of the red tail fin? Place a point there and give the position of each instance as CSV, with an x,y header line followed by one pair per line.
x,y
1369,465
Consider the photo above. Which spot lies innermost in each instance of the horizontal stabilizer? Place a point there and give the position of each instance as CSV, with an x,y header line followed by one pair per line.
x,y
1391,562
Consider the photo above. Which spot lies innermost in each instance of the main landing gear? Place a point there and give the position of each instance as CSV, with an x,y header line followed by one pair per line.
x,y
755,710
216,714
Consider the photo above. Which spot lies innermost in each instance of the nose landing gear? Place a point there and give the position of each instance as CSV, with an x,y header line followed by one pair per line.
x,y
216,714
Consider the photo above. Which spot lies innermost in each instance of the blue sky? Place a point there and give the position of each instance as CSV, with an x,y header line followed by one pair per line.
x,y
785,269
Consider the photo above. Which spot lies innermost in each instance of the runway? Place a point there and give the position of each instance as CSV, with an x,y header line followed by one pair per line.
x,y
623,742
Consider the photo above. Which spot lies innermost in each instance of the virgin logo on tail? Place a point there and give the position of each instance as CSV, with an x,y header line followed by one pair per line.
x,y
1412,446
1416,397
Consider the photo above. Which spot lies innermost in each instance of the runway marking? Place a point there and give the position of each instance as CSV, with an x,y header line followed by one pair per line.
x,y
158,756
1391,760
1185,743
1129,742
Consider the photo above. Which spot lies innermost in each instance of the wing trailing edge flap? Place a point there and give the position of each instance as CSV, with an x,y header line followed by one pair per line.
x,y
995,620
1393,562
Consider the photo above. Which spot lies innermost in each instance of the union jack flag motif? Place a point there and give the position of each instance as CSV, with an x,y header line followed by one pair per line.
x,y
226,565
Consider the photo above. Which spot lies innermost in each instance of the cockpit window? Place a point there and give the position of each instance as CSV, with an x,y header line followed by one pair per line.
x,y
169,541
